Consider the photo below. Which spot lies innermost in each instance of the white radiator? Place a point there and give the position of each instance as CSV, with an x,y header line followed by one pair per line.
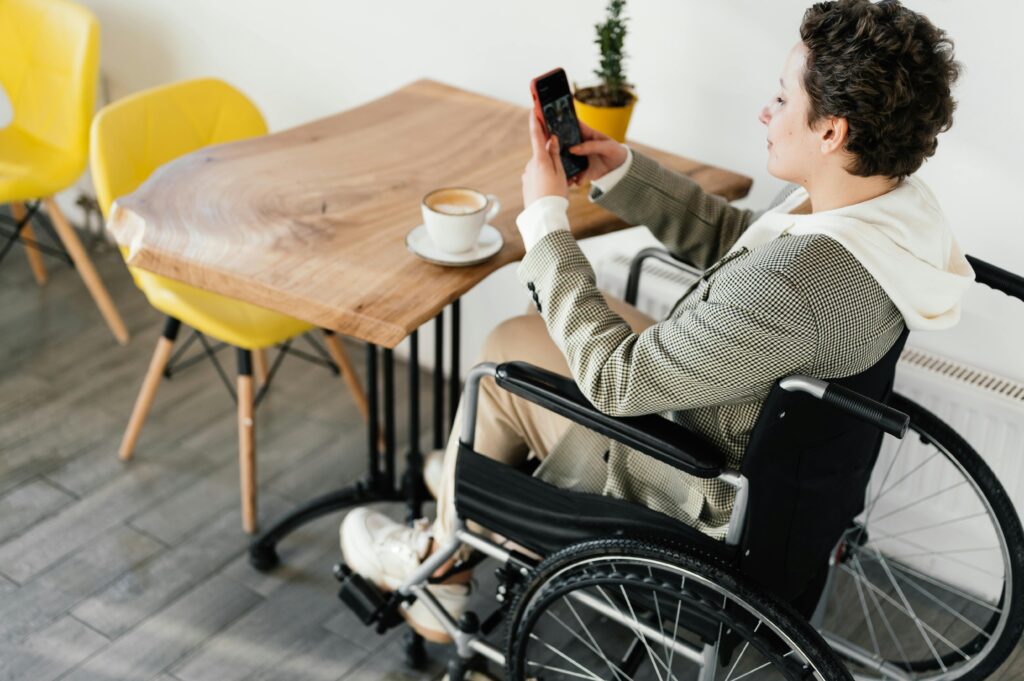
x,y
985,409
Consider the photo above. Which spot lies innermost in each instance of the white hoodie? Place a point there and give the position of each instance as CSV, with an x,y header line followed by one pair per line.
x,y
901,238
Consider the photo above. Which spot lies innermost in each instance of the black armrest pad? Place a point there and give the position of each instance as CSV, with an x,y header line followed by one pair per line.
x,y
997,278
653,435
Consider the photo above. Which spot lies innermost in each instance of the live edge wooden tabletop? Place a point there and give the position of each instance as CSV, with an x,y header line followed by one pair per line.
x,y
312,221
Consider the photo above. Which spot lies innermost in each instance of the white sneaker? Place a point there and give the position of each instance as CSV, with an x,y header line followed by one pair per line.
x,y
433,467
386,553
381,550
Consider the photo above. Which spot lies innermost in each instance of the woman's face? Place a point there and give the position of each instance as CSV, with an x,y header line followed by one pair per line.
x,y
794,149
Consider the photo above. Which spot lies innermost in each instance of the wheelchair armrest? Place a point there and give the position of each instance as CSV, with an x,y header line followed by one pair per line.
x,y
882,416
651,434
636,269
997,278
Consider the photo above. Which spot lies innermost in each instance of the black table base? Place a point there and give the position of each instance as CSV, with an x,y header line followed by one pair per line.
x,y
380,483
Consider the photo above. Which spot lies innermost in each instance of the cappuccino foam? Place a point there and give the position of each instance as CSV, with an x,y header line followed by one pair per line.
x,y
455,202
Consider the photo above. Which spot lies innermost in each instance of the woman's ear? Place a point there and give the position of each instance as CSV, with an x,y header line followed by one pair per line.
x,y
833,134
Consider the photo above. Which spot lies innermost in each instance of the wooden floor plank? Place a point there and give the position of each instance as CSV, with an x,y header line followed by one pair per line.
x,y
50,652
136,489
264,637
49,595
169,635
29,503
145,589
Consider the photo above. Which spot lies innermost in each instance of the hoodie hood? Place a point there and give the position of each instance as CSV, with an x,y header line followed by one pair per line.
x,y
902,238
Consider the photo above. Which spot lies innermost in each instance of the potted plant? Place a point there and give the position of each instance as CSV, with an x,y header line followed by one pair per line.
x,y
607,107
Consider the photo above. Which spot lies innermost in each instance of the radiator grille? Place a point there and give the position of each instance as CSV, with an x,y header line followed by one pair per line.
x,y
965,374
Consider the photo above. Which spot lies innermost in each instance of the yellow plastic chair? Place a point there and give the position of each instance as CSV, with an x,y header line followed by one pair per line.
x,y
130,139
49,61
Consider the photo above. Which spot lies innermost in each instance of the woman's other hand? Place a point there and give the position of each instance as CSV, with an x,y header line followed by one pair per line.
x,y
603,154
543,174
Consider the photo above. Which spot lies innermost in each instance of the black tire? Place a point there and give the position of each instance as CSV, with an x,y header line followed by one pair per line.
x,y
997,634
713,595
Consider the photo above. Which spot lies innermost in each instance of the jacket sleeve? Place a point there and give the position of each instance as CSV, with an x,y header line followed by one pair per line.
x,y
753,327
694,225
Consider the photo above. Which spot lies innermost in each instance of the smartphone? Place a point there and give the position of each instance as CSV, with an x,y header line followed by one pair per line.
x,y
553,105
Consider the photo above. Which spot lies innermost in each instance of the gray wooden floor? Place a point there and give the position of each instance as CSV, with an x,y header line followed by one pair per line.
x,y
130,572
137,571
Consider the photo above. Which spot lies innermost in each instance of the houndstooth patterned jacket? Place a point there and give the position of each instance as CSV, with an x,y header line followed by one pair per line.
x,y
797,304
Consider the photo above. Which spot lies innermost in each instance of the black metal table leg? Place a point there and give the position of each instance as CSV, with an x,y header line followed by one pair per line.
x,y
263,550
439,380
454,387
389,419
414,461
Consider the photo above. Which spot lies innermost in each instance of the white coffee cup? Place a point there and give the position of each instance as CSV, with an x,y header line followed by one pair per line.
x,y
454,217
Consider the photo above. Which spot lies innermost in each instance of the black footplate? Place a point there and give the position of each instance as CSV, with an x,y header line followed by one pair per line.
x,y
370,604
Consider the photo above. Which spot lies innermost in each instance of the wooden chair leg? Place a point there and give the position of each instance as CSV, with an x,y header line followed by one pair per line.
x,y
149,385
259,364
246,441
337,352
35,258
88,273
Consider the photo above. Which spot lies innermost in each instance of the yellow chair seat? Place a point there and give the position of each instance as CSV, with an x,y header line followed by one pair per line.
x,y
226,319
136,135
31,168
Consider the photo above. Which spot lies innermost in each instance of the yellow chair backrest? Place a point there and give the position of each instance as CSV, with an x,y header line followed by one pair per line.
x,y
136,135
49,61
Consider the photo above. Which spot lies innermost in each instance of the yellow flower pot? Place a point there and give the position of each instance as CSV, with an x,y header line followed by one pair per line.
x,y
611,120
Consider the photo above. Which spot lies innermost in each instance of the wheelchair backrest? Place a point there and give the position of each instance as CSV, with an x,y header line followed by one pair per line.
x,y
808,466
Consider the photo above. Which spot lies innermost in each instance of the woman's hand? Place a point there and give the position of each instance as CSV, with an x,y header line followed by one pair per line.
x,y
543,174
603,154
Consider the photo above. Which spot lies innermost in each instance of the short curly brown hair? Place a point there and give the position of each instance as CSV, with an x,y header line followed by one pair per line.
x,y
888,71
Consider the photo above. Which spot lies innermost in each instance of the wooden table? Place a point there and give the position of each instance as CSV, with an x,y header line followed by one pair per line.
x,y
312,222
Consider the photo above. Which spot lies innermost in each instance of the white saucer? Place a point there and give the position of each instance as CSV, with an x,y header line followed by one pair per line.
x,y
489,243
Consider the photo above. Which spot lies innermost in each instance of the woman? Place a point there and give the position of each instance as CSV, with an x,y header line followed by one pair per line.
x,y
822,284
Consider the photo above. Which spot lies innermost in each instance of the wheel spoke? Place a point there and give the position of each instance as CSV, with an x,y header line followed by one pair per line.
x,y
878,608
935,599
867,617
742,653
941,523
874,589
903,477
913,615
612,667
562,671
953,590
943,554
565,657
643,639
921,500
757,669
657,613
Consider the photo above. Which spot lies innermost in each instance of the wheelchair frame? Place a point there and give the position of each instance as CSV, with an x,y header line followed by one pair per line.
x,y
534,384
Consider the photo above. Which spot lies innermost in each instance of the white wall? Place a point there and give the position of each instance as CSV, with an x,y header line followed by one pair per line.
x,y
702,70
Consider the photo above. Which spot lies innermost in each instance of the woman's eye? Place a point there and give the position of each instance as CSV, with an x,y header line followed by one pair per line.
x,y
778,100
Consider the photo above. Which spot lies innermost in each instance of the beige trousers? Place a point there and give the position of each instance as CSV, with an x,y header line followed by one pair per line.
x,y
509,428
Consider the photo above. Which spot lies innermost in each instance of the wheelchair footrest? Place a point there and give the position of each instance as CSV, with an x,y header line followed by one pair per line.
x,y
369,603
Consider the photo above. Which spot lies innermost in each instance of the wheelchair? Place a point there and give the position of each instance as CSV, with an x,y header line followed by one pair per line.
x,y
835,563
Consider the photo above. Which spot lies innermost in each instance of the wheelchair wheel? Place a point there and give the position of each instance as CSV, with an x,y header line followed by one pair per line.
x,y
621,609
928,581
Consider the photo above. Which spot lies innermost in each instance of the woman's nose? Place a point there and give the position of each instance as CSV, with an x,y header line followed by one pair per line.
x,y
764,116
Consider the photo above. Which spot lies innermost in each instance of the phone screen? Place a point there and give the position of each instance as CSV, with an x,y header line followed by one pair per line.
x,y
560,117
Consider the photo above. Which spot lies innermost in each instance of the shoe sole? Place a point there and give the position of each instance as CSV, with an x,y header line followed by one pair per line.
x,y
432,635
